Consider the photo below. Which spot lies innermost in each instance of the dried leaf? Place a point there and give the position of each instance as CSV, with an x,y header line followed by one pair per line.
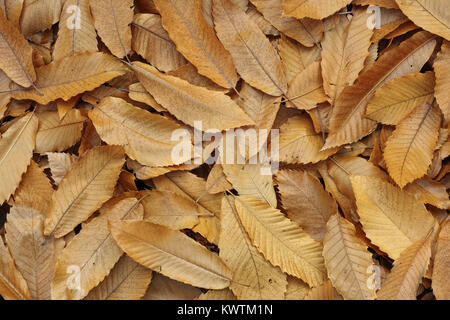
x,y
347,260
391,218
146,137
72,75
177,256
254,277
253,55
305,201
16,54
281,241
409,150
112,19
195,39
16,150
88,184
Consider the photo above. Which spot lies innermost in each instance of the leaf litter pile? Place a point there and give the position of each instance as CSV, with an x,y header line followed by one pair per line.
x,y
95,206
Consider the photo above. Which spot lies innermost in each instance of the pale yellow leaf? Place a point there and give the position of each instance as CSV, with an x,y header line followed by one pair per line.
x,y
432,15
440,283
72,75
250,180
348,123
73,38
403,281
146,137
128,280
12,284
88,184
344,50
190,103
16,149
253,276
34,255
347,260
112,19
391,218
299,143
93,250
58,135
399,97
409,150
16,54
254,57
282,241
152,42
171,253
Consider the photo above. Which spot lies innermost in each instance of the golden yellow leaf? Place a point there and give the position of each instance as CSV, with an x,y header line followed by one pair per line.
x,y
344,50
12,284
348,123
16,149
35,261
305,90
391,218
146,172
190,103
16,54
295,57
250,181
305,201
193,187
253,55
282,241
316,9
163,288
440,284
442,70
72,75
152,42
170,209
306,31
296,289
217,181
253,276
146,137
73,38
93,250
399,97
403,280
171,253
432,15
112,19
299,143
347,260
342,167
88,184
35,190
409,150
39,15
58,135
196,40
128,280
325,291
